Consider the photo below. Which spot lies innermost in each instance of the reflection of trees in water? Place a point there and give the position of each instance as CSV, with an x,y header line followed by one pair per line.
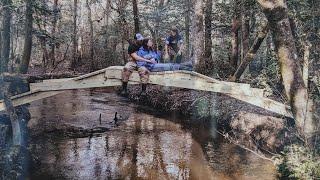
x,y
158,149
144,147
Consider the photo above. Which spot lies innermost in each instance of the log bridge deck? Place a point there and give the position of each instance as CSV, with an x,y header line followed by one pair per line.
x,y
111,76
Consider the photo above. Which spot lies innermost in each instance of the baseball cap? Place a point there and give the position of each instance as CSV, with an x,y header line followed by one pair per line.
x,y
138,37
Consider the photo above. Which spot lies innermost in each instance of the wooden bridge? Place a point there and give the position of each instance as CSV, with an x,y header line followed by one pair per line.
x,y
182,79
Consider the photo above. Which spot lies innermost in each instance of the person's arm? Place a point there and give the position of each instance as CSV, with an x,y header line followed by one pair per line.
x,y
180,46
166,52
136,57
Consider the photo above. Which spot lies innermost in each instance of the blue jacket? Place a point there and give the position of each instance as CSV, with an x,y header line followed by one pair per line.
x,y
148,55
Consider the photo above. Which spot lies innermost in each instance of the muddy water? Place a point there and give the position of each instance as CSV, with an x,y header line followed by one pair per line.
x,y
143,144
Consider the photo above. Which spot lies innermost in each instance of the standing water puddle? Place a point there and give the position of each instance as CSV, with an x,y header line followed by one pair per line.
x,y
143,145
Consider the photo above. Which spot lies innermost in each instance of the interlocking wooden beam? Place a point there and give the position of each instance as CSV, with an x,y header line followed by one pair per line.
x,y
182,79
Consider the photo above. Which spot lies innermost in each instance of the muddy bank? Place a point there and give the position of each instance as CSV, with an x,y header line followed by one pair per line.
x,y
246,124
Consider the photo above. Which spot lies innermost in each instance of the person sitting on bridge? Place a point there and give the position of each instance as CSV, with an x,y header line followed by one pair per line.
x,y
147,51
131,66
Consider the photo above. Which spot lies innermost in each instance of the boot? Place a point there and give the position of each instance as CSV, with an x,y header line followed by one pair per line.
x,y
143,90
124,91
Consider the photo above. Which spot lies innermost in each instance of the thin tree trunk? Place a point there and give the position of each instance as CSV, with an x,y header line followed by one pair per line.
x,y
45,55
235,35
251,53
197,31
74,35
208,29
305,67
296,92
53,32
157,24
1,48
245,29
6,35
187,27
91,57
136,16
28,38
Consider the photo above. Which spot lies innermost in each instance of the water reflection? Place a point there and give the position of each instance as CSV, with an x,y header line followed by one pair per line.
x,y
142,147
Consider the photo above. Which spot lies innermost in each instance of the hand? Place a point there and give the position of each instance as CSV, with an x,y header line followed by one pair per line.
x,y
153,61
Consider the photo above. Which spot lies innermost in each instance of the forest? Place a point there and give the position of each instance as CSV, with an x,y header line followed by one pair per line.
x,y
272,45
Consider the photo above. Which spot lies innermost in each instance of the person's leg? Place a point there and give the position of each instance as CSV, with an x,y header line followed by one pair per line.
x,y
126,72
144,77
178,59
160,67
187,66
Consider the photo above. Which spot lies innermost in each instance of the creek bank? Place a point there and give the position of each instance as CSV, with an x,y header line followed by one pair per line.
x,y
248,125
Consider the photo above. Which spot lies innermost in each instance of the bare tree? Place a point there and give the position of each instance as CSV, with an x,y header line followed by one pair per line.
x,y
6,35
91,54
27,38
245,29
235,34
197,31
74,35
187,26
53,32
208,29
135,16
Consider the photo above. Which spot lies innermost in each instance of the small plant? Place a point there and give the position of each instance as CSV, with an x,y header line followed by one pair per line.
x,y
299,162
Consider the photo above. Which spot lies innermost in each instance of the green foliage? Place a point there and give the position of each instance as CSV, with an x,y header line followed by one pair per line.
x,y
299,162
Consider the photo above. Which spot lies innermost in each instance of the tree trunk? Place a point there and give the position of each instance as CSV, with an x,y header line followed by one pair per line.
x,y
187,27
135,16
28,38
1,48
74,35
197,32
235,35
305,67
45,55
245,29
91,56
296,92
6,35
208,29
53,33
156,34
251,53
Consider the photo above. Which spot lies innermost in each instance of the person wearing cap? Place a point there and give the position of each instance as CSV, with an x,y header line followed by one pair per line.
x,y
174,46
134,46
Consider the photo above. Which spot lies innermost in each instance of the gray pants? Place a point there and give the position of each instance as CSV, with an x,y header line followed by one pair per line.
x,y
169,67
